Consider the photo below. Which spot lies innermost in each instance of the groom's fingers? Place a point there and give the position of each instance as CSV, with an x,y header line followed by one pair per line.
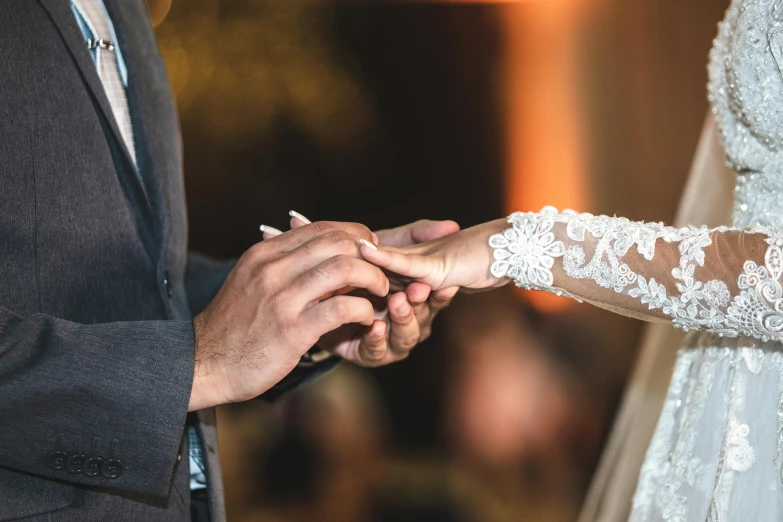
x,y
297,222
299,236
335,274
335,312
319,249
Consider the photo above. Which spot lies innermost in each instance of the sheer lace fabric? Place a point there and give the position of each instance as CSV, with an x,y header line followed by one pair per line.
x,y
720,280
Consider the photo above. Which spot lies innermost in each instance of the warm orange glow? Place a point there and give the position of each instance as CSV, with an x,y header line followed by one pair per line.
x,y
545,147
483,1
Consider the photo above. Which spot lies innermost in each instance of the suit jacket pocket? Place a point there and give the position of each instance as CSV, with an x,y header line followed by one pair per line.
x,y
24,495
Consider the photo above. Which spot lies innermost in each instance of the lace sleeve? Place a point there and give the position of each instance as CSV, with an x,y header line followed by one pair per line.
x,y
724,280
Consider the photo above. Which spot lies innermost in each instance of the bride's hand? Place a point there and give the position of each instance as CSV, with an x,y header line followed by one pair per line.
x,y
462,259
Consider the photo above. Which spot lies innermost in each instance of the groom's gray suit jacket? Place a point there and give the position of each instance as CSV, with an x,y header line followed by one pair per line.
x,y
97,288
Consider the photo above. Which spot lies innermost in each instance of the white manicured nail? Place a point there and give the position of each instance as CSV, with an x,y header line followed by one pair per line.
x,y
368,244
272,231
300,217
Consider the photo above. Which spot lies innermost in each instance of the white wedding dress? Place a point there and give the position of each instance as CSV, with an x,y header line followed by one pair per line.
x,y
717,453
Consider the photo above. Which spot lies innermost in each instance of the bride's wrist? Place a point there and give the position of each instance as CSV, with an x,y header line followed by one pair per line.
x,y
468,260
494,227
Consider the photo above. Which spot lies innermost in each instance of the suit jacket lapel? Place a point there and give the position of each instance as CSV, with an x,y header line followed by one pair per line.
x,y
62,16
130,23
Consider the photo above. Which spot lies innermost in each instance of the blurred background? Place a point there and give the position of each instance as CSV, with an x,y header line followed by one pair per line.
x,y
385,112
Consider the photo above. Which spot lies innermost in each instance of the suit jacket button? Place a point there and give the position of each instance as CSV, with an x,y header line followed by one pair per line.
x,y
167,284
56,460
75,464
113,468
92,467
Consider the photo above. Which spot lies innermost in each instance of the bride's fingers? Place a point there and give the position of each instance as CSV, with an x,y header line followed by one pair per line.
x,y
373,347
418,292
424,269
442,298
404,331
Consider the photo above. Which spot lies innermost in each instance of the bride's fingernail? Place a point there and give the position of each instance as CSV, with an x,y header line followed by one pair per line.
x,y
300,217
368,244
272,231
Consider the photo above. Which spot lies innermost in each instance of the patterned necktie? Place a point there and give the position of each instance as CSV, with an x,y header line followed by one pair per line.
x,y
96,18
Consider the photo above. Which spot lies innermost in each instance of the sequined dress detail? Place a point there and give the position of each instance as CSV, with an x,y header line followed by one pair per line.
x,y
717,452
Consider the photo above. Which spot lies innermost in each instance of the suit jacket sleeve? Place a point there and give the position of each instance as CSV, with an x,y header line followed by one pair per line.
x,y
203,278
114,391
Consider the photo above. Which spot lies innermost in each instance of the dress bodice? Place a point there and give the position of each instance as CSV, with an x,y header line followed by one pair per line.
x,y
746,93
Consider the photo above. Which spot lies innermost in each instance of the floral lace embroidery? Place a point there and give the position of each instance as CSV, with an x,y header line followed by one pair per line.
x,y
526,253
658,460
740,455
685,468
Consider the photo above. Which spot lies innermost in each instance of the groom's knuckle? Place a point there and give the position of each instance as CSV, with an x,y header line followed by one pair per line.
x,y
263,279
255,254
344,243
272,273
334,239
340,267
321,227
341,311
333,236
252,253
358,229
329,314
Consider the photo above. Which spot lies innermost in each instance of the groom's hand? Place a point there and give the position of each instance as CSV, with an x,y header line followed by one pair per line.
x,y
274,306
405,318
